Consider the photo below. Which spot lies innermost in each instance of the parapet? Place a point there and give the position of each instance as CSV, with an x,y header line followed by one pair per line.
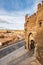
x,y
42,2
39,6
26,16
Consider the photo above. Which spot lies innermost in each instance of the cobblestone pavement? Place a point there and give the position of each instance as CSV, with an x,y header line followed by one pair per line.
x,y
34,62
28,59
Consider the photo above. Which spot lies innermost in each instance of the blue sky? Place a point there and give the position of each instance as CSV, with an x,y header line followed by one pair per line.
x,y
12,12
16,5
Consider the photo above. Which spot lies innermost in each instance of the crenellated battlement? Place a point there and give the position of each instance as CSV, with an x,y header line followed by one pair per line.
x,y
42,2
40,6
34,24
26,18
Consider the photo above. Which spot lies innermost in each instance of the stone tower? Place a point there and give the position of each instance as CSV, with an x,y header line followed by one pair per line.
x,y
34,31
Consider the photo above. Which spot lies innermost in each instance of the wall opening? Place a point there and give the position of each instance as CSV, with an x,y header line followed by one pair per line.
x,y
32,46
40,24
28,38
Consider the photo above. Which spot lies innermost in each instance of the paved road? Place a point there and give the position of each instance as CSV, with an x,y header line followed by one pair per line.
x,y
11,48
25,59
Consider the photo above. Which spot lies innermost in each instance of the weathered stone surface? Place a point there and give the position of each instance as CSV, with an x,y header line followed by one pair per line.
x,y
39,39
35,62
34,25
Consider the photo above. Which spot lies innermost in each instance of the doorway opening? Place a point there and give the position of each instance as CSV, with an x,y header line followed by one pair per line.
x,y
28,38
32,46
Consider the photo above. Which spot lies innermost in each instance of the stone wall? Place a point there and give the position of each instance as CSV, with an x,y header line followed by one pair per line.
x,y
34,23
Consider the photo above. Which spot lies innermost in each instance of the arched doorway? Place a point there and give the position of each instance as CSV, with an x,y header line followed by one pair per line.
x,y
32,46
28,38
31,42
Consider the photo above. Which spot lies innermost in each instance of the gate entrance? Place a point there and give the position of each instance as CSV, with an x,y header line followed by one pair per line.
x,y
31,42
32,46
29,39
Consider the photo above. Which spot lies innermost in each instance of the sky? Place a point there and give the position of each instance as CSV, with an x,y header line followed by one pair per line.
x,y
12,13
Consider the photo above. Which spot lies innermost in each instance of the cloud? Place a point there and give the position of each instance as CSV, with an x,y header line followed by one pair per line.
x,y
33,8
16,19
11,21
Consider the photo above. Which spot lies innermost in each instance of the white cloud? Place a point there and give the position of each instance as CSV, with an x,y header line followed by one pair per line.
x,y
16,20
12,22
33,8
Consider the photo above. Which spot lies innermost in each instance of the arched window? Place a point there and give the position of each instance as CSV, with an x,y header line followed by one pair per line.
x,y
41,23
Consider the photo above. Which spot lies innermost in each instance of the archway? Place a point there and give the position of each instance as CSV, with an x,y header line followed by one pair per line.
x,y
32,46
31,41
28,38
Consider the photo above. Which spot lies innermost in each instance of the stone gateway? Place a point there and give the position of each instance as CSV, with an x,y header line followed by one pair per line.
x,y
34,31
